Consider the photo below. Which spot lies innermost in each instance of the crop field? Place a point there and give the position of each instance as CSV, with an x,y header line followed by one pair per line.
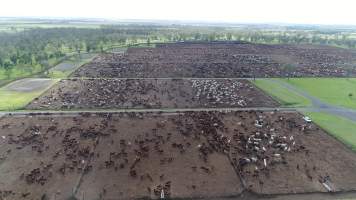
x,y
191,154
151,93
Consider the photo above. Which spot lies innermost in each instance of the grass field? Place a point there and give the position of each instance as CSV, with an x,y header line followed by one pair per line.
x,y
341,128
14,100
334,91
20,71
281,94
16,25
64,69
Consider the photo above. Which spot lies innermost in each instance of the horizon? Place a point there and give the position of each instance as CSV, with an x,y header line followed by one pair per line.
x,y
166,21
301,12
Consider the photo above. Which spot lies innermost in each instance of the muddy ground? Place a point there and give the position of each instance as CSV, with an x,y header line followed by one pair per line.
x,y
192,154
224,59
151,93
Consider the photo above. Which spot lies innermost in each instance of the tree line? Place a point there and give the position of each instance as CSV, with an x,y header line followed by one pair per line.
x,y
35,49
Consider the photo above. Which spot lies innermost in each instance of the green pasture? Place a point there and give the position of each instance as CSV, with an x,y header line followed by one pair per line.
x,y
339,127
71,65
281,94
335,91
14,100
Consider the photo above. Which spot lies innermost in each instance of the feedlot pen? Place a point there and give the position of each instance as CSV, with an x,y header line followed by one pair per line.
x,y
189,154
239,154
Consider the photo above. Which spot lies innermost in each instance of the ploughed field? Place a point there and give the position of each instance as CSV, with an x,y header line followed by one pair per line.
x,y
190,154
223,60
151,93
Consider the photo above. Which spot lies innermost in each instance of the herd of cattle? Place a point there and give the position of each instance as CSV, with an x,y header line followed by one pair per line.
x,y
134,154
224,60
151,93
181,155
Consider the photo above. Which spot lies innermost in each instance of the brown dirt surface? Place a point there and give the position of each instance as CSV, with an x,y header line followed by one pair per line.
x,y
191,154
224,60
151,93
299,156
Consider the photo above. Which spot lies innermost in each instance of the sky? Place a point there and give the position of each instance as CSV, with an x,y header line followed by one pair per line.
x,y
235,11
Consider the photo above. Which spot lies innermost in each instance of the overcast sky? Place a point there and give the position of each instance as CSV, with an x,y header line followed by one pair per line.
x,y
256,11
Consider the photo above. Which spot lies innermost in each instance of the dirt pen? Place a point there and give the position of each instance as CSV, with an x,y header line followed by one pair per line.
x,y
223,60
178,155
150,155
151,93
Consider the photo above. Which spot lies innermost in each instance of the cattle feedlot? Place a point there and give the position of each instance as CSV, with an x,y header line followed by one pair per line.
x,y
185,120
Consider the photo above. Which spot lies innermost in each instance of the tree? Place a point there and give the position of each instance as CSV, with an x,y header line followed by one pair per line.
x,y
101,47
78,47
88,48
44,65
212,37
13,59
182,37
8,68
229,36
